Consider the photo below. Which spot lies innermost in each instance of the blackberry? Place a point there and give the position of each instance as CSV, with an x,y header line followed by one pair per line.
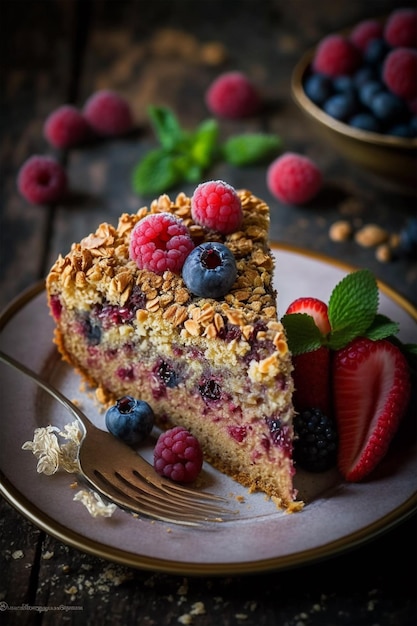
x,y
315,445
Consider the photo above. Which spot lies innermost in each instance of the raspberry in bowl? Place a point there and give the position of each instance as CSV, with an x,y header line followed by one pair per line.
x,y
358,88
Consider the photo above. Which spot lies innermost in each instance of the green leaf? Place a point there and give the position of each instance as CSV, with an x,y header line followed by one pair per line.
x,y
302,333
352,307
166,127
157,172
382,327
204,143
250,148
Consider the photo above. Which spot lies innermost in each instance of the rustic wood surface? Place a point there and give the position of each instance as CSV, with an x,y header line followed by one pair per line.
x,y
167,52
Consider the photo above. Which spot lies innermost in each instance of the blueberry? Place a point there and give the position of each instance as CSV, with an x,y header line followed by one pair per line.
x,y
365,121
340,106
408,238
387,107
344,84
210,270
376,51
318,88
365,74
402,130
368,90
130,420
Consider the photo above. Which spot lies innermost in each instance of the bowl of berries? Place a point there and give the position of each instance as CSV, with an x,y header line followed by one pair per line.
x,y
359,89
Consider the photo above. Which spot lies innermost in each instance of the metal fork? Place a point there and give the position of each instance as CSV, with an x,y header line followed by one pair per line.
x,y
125,478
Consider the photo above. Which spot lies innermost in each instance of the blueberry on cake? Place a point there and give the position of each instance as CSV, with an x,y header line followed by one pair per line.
x,y
176,306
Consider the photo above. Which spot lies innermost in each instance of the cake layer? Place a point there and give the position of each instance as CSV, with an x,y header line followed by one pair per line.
x,y
221,368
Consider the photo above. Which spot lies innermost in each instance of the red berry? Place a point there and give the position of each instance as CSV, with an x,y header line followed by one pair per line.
x,y
216,206
365,31
311,377
294,179
399,72
178,455
401,28
317,309
65,127
336,55
160,242
311,373
108,113
42,180
371,387
232,95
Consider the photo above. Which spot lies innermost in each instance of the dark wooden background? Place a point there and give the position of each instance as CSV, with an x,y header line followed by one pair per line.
x,y
162,52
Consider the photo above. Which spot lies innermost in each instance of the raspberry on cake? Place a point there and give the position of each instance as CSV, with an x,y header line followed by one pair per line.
x,y
217,366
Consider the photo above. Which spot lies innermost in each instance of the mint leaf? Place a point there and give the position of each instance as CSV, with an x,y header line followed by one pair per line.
x,y
381,328
352,307
203,143
156,172
250,148
302,333
166,127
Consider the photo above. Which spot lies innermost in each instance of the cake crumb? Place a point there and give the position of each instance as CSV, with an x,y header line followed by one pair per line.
x,y
17,554
47,555
371,235
340,231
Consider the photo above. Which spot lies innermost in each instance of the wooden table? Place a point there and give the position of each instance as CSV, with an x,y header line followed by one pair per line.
x,y
167,52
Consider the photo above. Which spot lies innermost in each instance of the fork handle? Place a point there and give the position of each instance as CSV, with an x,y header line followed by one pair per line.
x,y
82,419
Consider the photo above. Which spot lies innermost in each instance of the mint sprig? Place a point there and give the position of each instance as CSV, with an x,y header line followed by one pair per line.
x,y
352,311
185,156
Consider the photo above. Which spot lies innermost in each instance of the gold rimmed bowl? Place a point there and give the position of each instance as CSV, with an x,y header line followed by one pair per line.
x,y
392,158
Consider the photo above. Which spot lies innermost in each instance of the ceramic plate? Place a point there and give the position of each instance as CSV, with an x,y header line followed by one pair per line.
x,y
337,516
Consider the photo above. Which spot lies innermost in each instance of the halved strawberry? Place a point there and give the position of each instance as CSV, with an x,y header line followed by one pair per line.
x,y
371,386
311,373
317,309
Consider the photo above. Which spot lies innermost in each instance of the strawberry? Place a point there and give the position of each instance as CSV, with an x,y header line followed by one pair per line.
x,y
315,308
311,373
371,386
311,377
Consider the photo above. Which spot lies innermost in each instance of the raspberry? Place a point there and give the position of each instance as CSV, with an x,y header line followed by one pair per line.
x,y
108,113
336,55
293,178
160,242
399,72
65,127
42,180
178,455
365,31
232,95
401,28
216,205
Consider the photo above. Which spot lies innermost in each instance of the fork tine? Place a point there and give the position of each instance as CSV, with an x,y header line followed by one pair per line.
x,y
143,506
179,503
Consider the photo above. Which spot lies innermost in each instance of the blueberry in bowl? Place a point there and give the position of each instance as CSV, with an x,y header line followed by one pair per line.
x,y
359,90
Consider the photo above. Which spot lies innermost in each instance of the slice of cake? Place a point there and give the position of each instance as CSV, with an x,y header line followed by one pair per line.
x,y
217,365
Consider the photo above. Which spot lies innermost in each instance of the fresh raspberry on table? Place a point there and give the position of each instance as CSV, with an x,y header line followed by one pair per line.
x,y
336,55
216,206
232,95
178,455
160,242
294,178
108,113
42,180
65,127
365,31
401,28
399,72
